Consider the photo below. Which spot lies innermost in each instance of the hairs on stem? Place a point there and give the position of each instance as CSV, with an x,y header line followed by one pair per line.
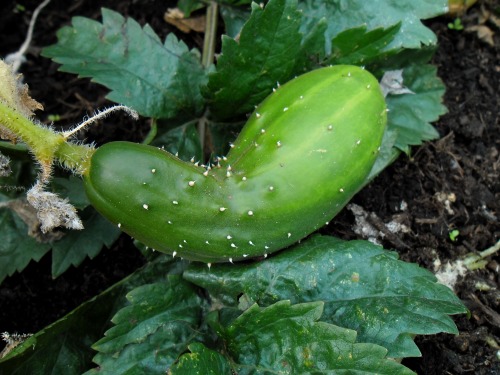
x,y
100,115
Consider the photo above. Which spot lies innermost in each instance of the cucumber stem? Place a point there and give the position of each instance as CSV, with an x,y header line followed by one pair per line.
x,y
46,144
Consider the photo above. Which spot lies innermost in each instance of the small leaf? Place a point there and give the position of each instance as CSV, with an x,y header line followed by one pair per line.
x,y
150,333
363,286
64,346
158,80
288,339
410,115
201,361
264,55
75,246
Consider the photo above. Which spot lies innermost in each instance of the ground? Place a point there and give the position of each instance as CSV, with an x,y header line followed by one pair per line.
x,y
449,184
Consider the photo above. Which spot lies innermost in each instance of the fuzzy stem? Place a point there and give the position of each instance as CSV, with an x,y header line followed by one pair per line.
x,y
46,144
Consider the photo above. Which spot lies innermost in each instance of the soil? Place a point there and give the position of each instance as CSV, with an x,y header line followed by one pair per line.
x,y
452,183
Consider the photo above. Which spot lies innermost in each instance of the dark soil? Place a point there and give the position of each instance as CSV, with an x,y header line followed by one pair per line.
x,y
463,167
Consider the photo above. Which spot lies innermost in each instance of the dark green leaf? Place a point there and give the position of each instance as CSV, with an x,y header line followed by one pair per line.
x,y
363,286
361,47
264,55
201,361
234,19
183,140
410,115
64,346
75,246
312,49
221,135
17,248
71,188
288,339
158,80
149,334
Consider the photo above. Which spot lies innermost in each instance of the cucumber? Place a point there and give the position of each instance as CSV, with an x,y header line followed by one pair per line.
x,y
302,155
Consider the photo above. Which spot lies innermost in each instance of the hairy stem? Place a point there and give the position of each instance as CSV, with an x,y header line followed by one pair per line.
x,y
46,145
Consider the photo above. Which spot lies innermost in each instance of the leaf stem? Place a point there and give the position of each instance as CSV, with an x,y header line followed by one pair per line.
x,y
207,57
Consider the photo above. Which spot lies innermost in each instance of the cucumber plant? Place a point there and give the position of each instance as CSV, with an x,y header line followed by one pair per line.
x,y
308,145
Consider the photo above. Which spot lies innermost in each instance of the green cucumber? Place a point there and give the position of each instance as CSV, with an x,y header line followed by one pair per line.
x,y
302,155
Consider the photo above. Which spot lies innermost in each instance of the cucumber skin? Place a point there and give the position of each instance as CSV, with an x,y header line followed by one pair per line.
x,y
304,152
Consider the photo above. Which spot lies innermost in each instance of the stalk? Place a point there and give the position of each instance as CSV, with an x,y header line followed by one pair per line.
x,y
46,144
207,57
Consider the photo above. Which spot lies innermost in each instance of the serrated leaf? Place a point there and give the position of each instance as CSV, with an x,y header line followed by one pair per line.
x,y
75,246
264,55
23,242
410,115
363,286
64,346
347,14
156,79
289,339
150,333
17,248
201,360
358,46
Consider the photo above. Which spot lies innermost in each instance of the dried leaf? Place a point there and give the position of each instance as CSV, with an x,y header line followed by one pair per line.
x,y
392,83
15,94
53,211
4,166
458,8
483,32
175,17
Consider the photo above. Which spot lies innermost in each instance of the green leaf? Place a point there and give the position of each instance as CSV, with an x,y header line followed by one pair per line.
x,y
234,18
150,333
312,49
265,54
288,339
347,14
17,248
158,80
71,188
363,286
410,115
358,46
201,361
182,140
387,155
64,346
75,246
